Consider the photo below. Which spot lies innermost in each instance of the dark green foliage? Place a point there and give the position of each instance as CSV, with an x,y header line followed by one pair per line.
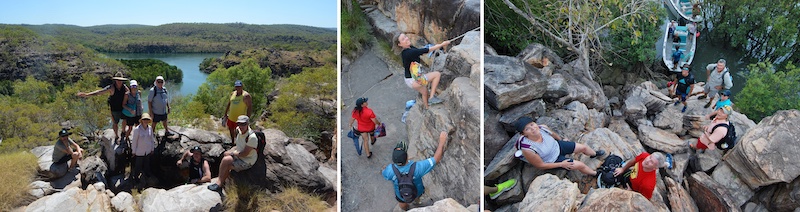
x,y
145,71
355,29
216,91
769,90
305,105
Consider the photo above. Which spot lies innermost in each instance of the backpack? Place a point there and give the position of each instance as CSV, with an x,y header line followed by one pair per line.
x,y
729,140
418,74
605,176
730,78
405,183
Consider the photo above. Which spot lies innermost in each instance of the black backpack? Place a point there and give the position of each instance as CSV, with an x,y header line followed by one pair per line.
x,y
605,174
729,140
405,183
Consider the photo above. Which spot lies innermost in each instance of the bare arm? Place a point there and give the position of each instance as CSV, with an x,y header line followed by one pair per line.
x,y
627,166
375,120
206,173
125,106
351,123
107,89
440,150
553,133
248,100
183,157
537,161
228,108
439,46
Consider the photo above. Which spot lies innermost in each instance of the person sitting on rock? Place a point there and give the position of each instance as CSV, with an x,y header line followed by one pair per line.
x,y
685,86
142,145
199,171
66,149
242,156
367,122
544,149
402,168
710,135
411,54
642,178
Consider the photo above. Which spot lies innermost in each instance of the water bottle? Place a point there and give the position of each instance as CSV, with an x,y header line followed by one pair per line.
x,y
409,104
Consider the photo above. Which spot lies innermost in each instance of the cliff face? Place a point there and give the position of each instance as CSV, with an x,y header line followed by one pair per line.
x,y
282,63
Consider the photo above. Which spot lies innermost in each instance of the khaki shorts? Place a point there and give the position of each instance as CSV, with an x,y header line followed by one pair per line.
x,y
240,165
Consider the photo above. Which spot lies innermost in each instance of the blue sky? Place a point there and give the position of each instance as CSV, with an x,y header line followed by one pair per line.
x,y
319,13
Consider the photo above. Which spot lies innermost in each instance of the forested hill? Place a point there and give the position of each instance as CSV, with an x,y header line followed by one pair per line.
x,y
191,37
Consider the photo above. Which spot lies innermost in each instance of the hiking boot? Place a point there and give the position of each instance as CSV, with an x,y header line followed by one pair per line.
x,y
702,97
707,104
214,187
168,134
598,153
683,110
676,103
503,187
434,100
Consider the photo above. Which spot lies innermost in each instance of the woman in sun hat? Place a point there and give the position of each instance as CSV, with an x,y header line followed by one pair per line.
x,y
117,90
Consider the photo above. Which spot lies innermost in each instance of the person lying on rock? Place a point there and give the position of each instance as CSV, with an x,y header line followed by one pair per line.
x,y
710,135
406,175
411,54
642,178
199,171
242,156
544,149
66,149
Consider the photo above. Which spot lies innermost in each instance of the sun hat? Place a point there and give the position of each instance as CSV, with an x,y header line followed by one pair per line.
x,y
238,83
197,149
242,119
64,132
521,123
145,116
134,83
119,76
399,156
727,109
160,78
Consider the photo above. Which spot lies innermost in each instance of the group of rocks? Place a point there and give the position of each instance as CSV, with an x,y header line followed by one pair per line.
x,y
758,174
283,162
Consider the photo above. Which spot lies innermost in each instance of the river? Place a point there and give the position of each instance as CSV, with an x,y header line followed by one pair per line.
x,y
189,63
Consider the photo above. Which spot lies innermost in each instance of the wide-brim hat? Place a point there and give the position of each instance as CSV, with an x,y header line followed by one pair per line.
x,y
64,132
145,116
119,76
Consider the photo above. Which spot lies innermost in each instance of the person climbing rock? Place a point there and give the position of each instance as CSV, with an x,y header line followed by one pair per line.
x,y
117,92
240,103
411,54
544,149
158,102
406,175
65,149
132,108
241,157
199,171
642,178
142,145
367,122
719,79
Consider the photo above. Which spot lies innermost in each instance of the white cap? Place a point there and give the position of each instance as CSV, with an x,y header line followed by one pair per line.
x,y
134,83
159,78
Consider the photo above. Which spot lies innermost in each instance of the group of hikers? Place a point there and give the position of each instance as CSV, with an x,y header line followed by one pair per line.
x,y
139,139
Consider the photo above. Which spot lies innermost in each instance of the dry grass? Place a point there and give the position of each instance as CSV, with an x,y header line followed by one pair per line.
x,y
250,198
18,171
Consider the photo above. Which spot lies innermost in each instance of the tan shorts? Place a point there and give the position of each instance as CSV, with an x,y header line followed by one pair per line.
x,y
240,165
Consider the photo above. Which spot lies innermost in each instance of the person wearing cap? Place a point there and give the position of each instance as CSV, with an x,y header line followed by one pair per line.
x,y
709,138
66,149
240,103
142,145
158,103
411,54
685,86
724,99
367,122
241,157
421,168
132,107
642,178
544,149
117,90
199,171
718,80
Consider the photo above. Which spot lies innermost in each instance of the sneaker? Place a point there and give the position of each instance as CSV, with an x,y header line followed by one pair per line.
x,y
598,153
707,105
683,110
168,134
503,187
669,161
676,103
214,187
435,100
702,97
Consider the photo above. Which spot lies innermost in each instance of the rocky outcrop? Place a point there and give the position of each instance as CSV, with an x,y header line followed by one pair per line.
x,y
123,201
283,63
661,140
730,180
768,152
74,199
618,199
640,102
609,141
494,136
679,198
445,205
434,21
508,81
547,191
460,59
182,198
709,194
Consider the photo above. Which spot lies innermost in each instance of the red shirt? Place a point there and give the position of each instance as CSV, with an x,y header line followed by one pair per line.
x,y
642,181
364,120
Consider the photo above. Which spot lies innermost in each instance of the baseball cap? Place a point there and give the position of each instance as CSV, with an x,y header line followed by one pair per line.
x,y
399,156
134,83
725,93
159,78
521,122
727,109
238,83
361,100
242,119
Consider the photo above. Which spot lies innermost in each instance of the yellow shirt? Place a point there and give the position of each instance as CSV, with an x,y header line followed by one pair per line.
x,y
238,107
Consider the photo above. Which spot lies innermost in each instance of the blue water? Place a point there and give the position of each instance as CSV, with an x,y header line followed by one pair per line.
x,y
187,62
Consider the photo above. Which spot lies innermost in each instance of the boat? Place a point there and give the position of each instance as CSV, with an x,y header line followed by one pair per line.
x,y
687,46
683,9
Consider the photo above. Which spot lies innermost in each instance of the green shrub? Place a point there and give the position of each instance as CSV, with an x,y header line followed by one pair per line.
x,y
19,170
355,29
769,90
301,110
145,71
216,91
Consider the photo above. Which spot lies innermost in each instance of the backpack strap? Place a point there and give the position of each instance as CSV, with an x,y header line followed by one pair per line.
x,y
725,78
719,125
410,171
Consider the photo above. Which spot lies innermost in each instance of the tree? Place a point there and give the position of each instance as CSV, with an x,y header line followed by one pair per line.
x,y
216,91
769,90
597,33
306,105
764,30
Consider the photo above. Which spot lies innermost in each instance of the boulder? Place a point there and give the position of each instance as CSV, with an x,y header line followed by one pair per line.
x,y
557,87
123,201
494,136
509,81
330,175
615,199
661,140
768,153
709,195
607,140
780,196
182,198
73,199
461,58
573,121
209,142
515,194
436,20
742,124
679,198
445,205
753,207
509,208
40,188
671,120
503,161
729,179
93,169
46,166
539,56
579,88
550,193
639,102
531,109
708,159
619,126
383,27
297,168
680,163
475,75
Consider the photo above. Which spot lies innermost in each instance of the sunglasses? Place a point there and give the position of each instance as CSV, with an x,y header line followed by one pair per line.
x,y
241,124
159,81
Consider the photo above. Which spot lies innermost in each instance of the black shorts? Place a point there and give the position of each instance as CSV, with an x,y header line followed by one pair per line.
x,y
130,121
158,118
64,159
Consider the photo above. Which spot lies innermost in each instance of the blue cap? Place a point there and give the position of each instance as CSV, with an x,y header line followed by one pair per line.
x,y
238,83
725,93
